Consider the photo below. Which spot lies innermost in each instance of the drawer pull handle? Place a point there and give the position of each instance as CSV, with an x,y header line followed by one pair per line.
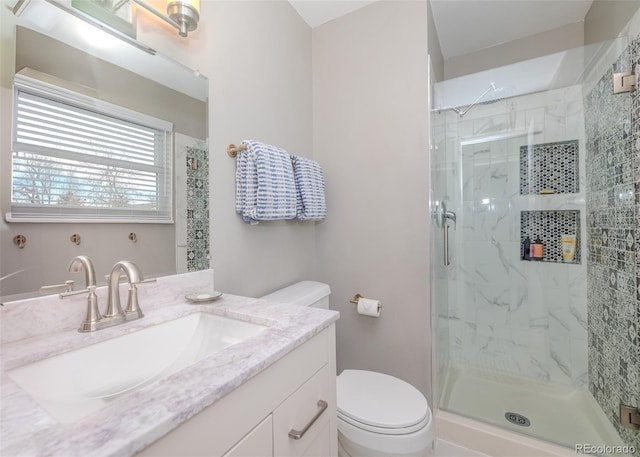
x,y
297,434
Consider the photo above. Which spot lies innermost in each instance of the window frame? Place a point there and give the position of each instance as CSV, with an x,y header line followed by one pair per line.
x,y
30,82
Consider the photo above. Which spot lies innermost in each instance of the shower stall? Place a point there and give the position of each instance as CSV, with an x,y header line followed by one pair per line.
x,y
542,152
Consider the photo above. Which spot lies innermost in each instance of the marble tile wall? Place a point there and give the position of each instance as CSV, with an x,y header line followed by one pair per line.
x,y
613,215
505,314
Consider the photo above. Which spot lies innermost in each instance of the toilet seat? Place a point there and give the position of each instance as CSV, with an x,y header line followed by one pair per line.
x,y
385,430
380,403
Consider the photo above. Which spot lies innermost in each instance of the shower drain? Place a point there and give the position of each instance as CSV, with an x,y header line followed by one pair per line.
x,y
517,419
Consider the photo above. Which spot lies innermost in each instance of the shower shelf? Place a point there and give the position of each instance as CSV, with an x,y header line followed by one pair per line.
x,y
549,167
549,226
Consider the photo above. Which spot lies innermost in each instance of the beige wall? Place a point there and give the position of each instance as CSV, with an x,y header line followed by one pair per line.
x,y
607,18
433,42
560,39
260,72
257,55
370,134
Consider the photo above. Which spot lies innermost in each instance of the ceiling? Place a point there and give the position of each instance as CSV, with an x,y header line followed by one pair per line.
x,y
469,25
317,12
465,26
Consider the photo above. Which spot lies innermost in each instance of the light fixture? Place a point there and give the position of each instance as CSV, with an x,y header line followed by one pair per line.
x,y
182,14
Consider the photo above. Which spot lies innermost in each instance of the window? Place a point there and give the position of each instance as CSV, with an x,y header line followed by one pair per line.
x,y
77,158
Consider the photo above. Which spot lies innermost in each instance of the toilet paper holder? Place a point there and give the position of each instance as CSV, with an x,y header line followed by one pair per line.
x,y
357,297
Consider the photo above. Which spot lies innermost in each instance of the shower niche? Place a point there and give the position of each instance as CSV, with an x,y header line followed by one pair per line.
x,y
549,226
549,169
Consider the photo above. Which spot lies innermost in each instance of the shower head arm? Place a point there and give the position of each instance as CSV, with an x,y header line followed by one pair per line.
x,y
465,110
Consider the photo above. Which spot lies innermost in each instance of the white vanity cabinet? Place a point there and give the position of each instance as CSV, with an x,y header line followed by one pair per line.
x,y
255,419
258,442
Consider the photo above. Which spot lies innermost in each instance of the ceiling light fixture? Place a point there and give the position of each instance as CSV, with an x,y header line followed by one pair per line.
x,y
181,14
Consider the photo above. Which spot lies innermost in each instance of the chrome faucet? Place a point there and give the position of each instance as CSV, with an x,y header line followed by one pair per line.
x,y
114,309
114,314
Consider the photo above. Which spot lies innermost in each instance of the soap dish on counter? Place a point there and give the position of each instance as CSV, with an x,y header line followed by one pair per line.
x,y
203,297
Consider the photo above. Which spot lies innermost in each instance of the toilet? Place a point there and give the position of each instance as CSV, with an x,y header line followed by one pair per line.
x,y
378,415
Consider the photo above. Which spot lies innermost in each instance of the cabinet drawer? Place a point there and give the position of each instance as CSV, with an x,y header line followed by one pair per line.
x,y
257,443
299,410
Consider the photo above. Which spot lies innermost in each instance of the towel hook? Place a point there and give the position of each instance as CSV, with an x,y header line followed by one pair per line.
x,y
20,241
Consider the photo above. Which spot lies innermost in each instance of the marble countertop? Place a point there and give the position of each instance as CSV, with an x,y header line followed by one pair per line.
x,y
129,424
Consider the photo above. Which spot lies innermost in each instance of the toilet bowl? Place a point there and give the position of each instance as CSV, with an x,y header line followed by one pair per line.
x,y
378,415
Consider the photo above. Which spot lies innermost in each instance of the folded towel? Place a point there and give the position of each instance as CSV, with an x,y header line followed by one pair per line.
x,y
309,177
265,186
246,184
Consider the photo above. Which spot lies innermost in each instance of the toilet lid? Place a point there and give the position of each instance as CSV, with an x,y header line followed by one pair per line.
x,y
377,400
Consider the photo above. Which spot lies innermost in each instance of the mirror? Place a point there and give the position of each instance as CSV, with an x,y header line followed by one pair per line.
x,y
63,48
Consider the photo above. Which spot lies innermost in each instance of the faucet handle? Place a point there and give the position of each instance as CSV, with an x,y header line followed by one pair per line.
x,y
146,281
133,307
92,319
71,293
133,310
52,289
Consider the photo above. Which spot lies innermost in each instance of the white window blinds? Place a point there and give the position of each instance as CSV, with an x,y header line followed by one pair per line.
x,y
78,158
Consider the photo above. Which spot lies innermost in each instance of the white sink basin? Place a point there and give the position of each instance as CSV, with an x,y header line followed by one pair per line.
x,y
77,383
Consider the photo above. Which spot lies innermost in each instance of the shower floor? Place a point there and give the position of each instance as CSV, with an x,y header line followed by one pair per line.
x,y
557,413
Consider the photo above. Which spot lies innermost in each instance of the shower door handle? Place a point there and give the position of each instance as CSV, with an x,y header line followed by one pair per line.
x,y
445,230
442,216
447,216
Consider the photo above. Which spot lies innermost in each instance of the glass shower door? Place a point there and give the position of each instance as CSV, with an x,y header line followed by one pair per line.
x,y
544,347
612,128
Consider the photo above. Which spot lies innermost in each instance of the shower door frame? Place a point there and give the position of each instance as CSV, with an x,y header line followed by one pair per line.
x,y
439,293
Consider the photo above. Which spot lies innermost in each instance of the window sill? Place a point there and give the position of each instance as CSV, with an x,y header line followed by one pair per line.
x,y
78,220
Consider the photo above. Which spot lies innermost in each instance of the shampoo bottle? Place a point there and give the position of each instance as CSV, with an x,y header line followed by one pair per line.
x,y
525,249
538,249
568,247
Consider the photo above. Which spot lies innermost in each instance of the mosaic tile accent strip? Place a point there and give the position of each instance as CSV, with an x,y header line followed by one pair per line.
x,y
549,166
197,209
549,226
613,261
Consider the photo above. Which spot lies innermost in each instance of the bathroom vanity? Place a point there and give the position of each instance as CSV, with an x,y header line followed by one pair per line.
x,y
273,393
256,418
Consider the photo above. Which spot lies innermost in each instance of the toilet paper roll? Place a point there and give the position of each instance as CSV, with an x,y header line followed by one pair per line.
x,y
369,307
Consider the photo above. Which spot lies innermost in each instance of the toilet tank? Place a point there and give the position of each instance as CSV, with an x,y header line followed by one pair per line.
x,y
303,293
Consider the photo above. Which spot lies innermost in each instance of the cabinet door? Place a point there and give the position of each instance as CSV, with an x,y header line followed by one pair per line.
x,y
257,443
297,413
